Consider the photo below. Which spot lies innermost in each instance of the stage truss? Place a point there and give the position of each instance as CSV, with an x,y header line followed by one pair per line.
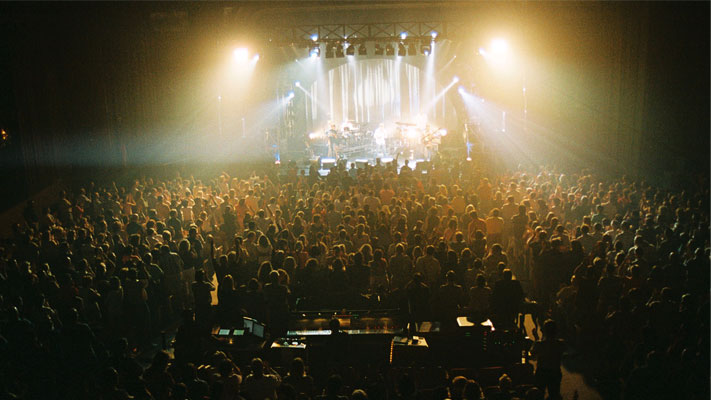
x,y
302,35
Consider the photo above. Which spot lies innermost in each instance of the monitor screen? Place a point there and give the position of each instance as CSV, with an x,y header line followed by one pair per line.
x,y
223,332
238,332
248,325
258,330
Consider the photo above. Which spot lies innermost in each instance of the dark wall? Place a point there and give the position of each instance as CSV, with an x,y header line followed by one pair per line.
x,y
676,134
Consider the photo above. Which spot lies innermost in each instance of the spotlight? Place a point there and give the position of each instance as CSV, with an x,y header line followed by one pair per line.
x,y
499,46
412,49
434,35
240,54
297,84
426,49
290,94
329,51
401,51
339,50
455,79
362,50
378,50
460,90
350,50
403,35
389,50
315,52
314,37
255,58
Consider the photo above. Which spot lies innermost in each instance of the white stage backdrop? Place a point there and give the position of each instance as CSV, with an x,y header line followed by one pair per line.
x,y
375,91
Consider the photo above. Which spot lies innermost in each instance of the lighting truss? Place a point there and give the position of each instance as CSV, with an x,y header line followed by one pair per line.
x,y
359,33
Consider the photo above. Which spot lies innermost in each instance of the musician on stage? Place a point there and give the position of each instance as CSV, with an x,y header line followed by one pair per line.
x,y
333,141
379,136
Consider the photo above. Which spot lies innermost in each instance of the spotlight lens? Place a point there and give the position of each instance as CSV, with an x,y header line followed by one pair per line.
x,y
240,54
427,52
403,35
297,84
499,46
290,95
314,37
460,90
434,34
455,79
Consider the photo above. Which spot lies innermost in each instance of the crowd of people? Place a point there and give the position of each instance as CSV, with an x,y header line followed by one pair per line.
x,y
618,268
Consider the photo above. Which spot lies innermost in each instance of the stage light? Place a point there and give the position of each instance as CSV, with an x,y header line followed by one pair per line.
x,y
499,46
412,49
425,50
315,52
434,35
403,35
314,37
330,50
461,90
455,79
290,94
219,98
297,84
255,58
362,50
240,54
350,50
401,50
389,50
442,132
378,50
